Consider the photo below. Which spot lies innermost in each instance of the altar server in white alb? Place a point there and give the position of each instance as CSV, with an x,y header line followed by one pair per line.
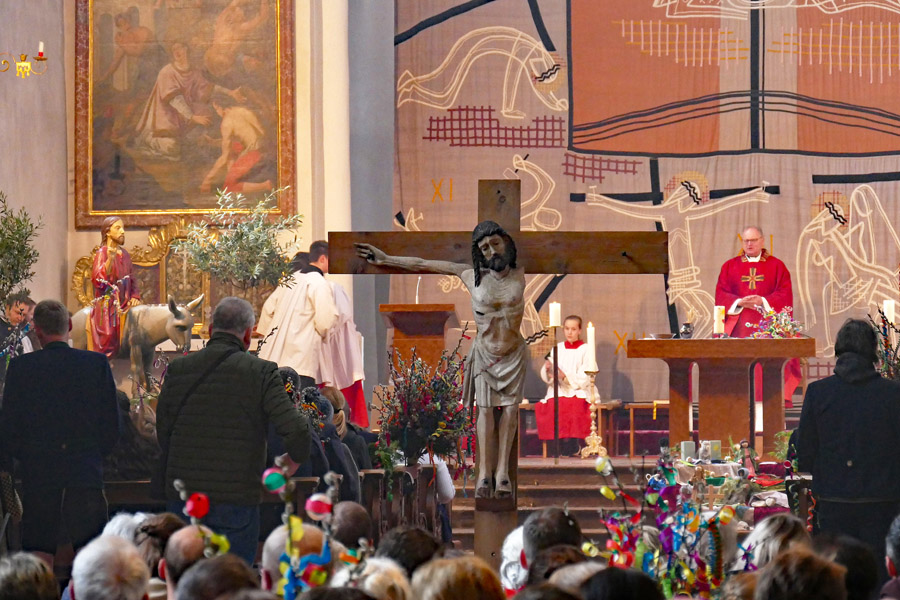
x,y
303,313
341,361
574,388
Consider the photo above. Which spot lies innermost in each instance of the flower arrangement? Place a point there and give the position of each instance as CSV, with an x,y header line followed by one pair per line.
x,y
423,412
778,325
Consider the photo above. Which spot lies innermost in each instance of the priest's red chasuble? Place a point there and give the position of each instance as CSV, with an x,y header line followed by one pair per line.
x,y
739,277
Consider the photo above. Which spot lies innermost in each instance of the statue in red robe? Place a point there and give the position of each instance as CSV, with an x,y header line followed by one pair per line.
x,y
751,281
115,289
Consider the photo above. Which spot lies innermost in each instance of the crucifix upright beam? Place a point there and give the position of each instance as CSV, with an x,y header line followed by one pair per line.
x,y
581,252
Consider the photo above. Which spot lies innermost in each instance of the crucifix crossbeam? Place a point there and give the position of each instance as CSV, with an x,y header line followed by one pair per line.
x,y
564,252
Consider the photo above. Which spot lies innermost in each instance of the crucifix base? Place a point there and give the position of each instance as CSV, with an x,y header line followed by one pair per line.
x,y
495,518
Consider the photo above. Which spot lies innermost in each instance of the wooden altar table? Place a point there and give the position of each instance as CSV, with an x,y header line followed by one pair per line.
x,y
725,376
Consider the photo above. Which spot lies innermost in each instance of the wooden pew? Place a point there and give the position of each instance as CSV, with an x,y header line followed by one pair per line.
x,y
372,490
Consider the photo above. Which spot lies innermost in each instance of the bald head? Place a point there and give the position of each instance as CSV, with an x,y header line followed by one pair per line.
x,y
310,543
183,549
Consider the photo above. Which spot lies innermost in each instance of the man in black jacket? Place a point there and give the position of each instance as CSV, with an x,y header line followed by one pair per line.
x,y
848,435
59,419
213,430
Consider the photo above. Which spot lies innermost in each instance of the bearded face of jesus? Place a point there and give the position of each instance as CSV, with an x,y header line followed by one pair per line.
x,y
496,252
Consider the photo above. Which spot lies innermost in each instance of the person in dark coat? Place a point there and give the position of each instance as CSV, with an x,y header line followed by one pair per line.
x,y
847,439
214,435
59,419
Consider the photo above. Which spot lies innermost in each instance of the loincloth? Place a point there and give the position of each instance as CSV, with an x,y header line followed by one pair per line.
x,y
495,380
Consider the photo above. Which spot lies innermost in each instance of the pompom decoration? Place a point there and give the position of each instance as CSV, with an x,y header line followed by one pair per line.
x,y
197,505
274,480
603,465
318,506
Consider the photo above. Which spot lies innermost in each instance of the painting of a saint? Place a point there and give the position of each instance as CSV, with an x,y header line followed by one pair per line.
x,y
182,98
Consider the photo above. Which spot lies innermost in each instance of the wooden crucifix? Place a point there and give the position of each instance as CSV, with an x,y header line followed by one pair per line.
x,y
537,252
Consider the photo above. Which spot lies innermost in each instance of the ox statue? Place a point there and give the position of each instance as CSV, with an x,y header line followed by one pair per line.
x,y
146,326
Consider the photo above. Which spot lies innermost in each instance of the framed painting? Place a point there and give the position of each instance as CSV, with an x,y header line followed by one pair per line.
x,y
175,99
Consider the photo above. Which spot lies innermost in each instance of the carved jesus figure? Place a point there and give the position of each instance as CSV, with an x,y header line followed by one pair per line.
x,y
495,370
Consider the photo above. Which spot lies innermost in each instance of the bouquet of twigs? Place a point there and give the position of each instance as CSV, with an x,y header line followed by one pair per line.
x,y
778,325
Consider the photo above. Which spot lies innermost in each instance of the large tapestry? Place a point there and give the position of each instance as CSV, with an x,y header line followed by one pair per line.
x,y
694,117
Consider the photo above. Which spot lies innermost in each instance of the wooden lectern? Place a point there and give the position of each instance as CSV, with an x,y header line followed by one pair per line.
x,y
725,371
419,326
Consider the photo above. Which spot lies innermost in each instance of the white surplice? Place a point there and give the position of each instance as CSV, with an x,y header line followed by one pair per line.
x,y
303,313
340,361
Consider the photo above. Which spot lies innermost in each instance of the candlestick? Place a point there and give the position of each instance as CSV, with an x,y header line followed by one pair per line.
x,y
719,322
591,360
555,314
594,440
888,307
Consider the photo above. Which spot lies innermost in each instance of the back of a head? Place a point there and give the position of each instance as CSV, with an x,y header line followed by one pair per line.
x,y
300,261
800,574
620,584
24,576
409,547
570,577
51,317
856,336
153,534
211,578
549,527
317,250
739,586
381,578
233,315
124,525
550,559
273,547
183,549
771,536
545,591
452,578
350,522
109,568
855,556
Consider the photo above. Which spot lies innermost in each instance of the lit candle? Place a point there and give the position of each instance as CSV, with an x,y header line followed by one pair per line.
x,y
591,350
888,308
555,314
719,323
40,48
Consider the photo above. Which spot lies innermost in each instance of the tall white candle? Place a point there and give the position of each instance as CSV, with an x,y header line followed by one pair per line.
x,y
555,314
40,47
591,350
719,322
889,306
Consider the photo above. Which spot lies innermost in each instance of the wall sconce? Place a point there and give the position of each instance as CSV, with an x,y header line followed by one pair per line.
x,y
23,65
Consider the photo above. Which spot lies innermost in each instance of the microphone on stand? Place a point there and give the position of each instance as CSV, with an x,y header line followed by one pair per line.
x,y
418,283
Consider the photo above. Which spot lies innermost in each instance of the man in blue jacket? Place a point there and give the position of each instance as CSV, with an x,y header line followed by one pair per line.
x,y
59,418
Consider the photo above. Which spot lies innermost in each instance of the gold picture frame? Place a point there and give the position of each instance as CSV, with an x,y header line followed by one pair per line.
x,y
155,83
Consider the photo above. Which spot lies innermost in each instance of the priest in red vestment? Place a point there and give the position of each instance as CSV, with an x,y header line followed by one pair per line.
x,y
751,281
115,289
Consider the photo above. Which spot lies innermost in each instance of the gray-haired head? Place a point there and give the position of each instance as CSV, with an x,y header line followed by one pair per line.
x,y
109,568
24,575
233,315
